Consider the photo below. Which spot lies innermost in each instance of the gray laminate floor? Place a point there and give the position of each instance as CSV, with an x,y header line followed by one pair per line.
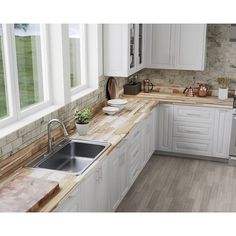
x,y
169,184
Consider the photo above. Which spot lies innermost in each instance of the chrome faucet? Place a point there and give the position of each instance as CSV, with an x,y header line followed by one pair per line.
x,y
50,140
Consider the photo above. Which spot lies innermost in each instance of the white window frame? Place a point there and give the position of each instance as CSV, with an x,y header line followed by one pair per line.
x,y
11,78
55,63
83,60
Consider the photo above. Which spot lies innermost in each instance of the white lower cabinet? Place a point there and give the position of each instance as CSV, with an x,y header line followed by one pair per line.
x,y
194,130
118,175
95,189
171,128
91,195
222,130
149,135
165,127
73,201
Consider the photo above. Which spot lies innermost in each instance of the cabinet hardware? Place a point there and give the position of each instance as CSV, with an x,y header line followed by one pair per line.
x,y
190,114
193,131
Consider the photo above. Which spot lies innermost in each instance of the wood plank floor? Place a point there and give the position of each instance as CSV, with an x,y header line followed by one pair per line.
x,y
169,184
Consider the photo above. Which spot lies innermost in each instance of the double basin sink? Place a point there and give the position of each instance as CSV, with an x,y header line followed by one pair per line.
x,y
72,156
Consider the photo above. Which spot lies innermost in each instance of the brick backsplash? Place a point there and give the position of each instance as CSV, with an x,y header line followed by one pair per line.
x,y
25,136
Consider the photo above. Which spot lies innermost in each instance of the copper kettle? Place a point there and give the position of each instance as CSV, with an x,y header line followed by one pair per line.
x,y
189,92
202,90
147,86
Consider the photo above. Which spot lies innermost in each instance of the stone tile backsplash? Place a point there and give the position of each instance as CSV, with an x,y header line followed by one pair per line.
x,y
220,61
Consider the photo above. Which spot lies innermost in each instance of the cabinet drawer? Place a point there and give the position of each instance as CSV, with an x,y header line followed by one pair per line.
x,y
191,146
193,130
194,114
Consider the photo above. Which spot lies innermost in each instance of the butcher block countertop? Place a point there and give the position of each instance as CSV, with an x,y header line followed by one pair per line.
x,y
208,101
111,129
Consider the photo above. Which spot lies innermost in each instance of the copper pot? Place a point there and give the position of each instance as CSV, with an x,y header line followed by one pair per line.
x,y
202,90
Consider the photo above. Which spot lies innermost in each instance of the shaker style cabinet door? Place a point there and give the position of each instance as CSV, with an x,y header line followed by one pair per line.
x,y
160,46
222,129
176,46
190,47
165,126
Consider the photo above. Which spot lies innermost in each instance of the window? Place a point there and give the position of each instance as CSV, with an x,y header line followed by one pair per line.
x,y
77,57
29,63
3,101
44,66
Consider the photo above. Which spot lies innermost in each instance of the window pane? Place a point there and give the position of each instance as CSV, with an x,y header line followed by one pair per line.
x,y
75,63
29,63
3,102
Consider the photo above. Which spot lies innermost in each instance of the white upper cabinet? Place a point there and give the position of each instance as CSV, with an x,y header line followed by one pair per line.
x,y
160,45
176,46
123,46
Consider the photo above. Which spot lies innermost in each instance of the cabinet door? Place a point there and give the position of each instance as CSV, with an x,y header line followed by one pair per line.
x,y
165,125
90,192
123,174
116,50
114,180
103,186
160,46
148,137
73,202
223,121
190,46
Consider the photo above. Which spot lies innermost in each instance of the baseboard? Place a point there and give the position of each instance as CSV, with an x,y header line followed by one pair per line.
x,y
182,155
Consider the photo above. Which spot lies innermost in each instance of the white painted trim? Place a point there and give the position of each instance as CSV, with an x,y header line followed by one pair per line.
x,y
11,94
83,93
59,55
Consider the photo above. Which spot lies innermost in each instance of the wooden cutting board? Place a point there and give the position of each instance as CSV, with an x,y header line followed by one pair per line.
x,y
24,194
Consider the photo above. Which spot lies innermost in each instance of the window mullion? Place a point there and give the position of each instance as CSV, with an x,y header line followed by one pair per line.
x,y
11,70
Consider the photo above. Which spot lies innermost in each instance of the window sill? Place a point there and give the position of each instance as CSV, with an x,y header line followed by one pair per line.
x,y
82,93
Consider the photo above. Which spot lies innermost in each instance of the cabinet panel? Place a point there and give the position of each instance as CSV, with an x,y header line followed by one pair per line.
x,y
223,122
165,126
192,146
162,39
194,114
176,46
193,130
72,202
118,174
123,46
190,46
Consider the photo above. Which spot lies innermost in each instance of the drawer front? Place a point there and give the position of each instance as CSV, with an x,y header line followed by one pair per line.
x,y
193,130
191,146
194,114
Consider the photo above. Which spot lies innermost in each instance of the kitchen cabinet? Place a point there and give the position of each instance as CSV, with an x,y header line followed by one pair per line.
x,y
91,195
164,127
118,175
73,201
135,152
95,189
149,136
194,130
222,130
176,46
123,48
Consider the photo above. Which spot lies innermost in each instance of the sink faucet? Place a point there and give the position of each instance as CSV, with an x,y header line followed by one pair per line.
x,y
50,141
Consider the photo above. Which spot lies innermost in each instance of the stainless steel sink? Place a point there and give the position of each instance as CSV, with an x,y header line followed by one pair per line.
x,y
74,156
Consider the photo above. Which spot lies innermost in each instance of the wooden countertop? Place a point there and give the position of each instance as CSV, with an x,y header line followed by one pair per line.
x,y
113,129
208,101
